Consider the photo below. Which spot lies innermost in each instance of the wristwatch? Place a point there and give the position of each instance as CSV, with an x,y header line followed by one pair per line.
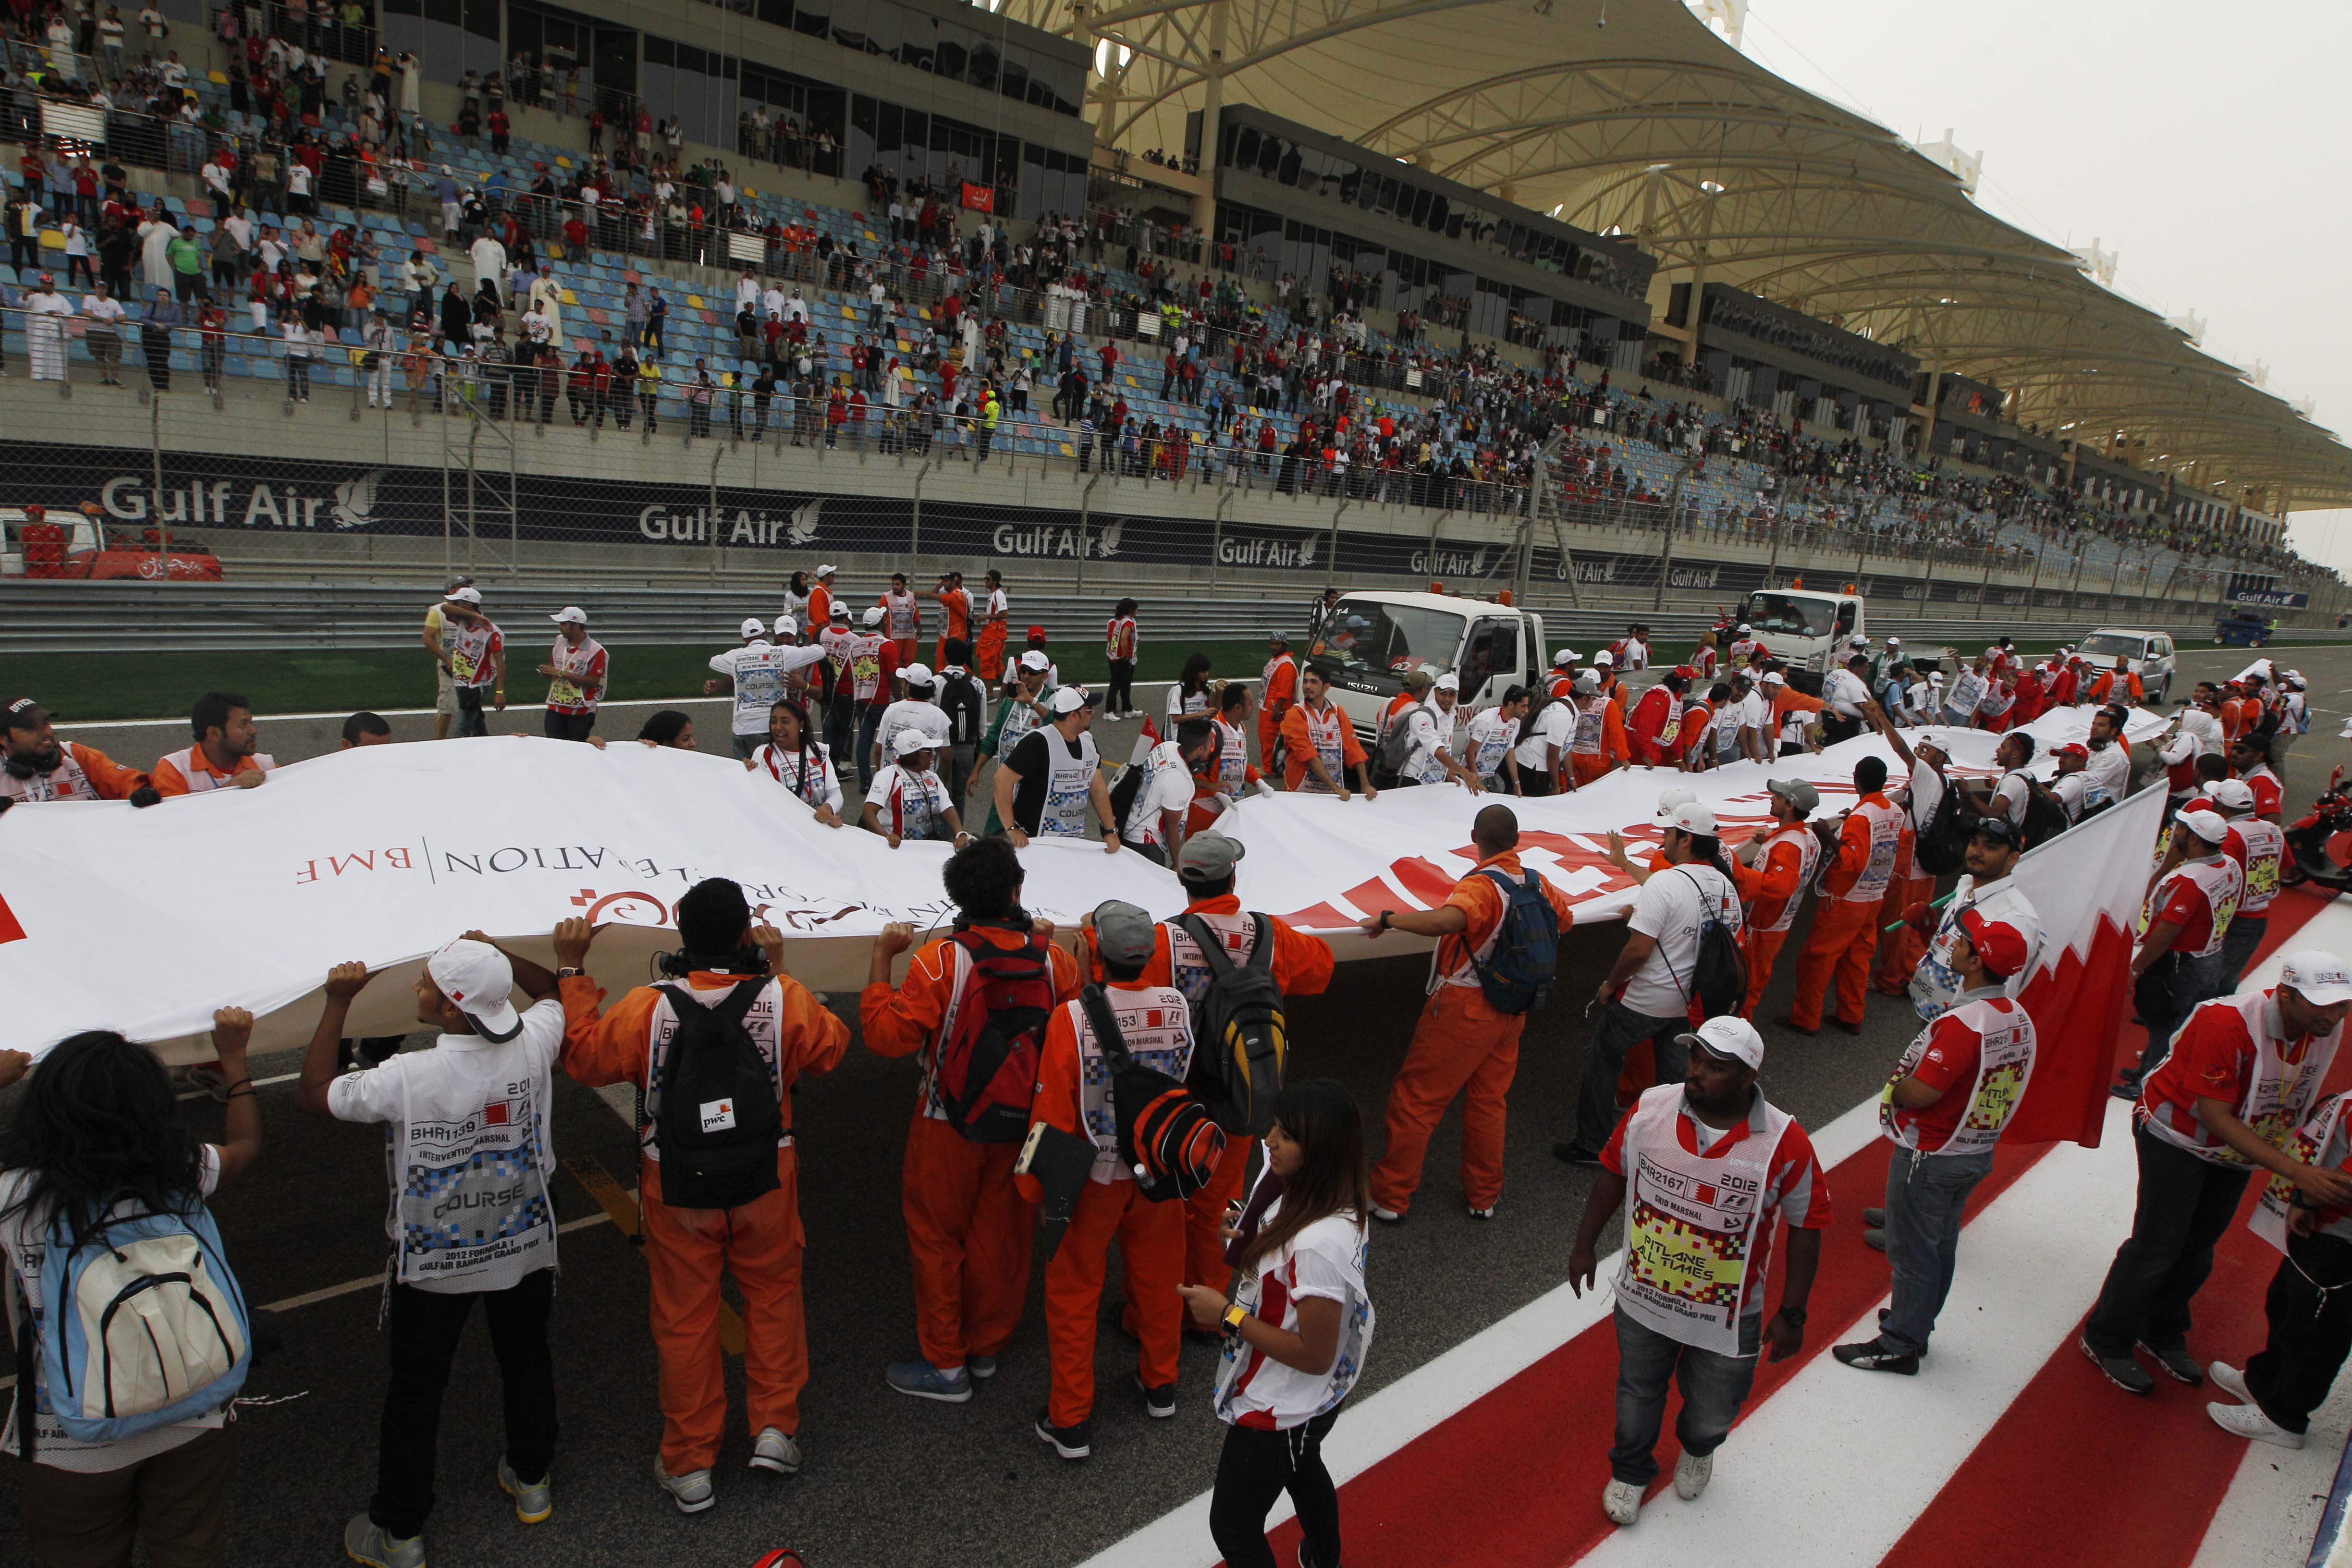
x,y
1384,920
1796,1316
1236,1315
569,974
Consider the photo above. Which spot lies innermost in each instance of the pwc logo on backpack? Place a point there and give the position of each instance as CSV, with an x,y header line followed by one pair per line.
x,y
718,1115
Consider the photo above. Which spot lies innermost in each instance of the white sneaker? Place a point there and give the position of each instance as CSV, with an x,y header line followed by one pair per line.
x,y
1387,1216
1622,1501
2230,1381
691,1491
775,1449
1692,1472
2247,1421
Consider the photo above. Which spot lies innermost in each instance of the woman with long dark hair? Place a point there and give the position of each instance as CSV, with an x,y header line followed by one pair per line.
x,y
97,1136
1190,698
1298,1256
797,760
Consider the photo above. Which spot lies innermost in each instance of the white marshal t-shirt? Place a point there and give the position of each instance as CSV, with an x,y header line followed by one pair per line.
x,y
1327,1260
467,1153
1673,904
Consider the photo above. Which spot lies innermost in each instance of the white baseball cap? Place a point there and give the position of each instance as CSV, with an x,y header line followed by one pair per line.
x,y
478,978
571,613
909,742
1774,677
1672,796
873,615
753,626
2234,795
1565,659
1691,818
1603,658
1893,642
1745,628
1448,682
786,626
825,571
917,674
1728,1037
2210,826
1069,699
840,611
465,595
1032,659
2319,978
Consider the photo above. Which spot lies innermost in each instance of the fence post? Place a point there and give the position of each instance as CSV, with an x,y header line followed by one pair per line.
x,y
719,450
155,453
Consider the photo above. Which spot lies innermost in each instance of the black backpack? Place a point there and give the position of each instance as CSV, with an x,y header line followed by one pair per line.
x,y
1518,978
2045,813
720,1118
1942,845
1167,1137
1239,1039
961,700
1719,981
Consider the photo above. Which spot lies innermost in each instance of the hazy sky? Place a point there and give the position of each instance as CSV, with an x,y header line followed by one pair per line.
x,y
2204,143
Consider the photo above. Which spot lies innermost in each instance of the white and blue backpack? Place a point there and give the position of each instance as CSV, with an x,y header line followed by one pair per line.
x,y
143,1326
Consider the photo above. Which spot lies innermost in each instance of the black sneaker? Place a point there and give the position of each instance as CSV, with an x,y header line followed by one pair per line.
x,y
1070,1442
1160,1402
1872,1355
2125,1086
2178,1364
2122,1371
1574,1154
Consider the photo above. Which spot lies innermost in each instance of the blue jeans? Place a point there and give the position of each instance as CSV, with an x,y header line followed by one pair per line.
x,y
1620,1029
2166,1007
869,726
2238,945
1926,1197
1714,1387
840,727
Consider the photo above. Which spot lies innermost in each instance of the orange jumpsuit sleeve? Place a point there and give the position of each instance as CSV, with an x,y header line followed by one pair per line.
x,y
1283,685
1300,744
1057,1088
1614,748
167,778
899,1022
1791,700
109,778
1302,964
1351,750
1853,856
814,1039
1773,879
610,1048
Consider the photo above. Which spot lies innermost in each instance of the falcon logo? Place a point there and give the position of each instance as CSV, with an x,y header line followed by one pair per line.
x,y
1107,543
355,504
1307,546
802,528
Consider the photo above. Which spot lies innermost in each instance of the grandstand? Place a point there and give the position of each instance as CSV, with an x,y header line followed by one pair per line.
x,y
1455,383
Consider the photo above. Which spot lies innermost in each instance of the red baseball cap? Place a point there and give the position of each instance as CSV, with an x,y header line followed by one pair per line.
x,y
2005,945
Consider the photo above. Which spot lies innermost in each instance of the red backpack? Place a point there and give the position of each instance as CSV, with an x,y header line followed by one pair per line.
x,y
988,1064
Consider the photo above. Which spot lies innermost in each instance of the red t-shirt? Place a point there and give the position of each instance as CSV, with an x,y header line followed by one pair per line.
x,y
1954,1049
2211,1058
2268,795
2180,899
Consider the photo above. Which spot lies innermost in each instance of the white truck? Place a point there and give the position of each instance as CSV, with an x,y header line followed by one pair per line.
x,y
1810,629
1372,638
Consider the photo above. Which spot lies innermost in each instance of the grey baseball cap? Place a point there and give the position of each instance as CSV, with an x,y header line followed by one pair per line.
x,y
1124,934
1209,858
1801,796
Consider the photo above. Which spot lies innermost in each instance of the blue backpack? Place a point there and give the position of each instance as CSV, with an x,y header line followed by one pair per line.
x,y
1526,947
143,1326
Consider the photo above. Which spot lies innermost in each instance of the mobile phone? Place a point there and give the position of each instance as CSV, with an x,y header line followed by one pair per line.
x,y
1029,1148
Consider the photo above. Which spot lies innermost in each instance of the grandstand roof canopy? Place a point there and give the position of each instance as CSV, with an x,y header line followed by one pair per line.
x,y
1652,124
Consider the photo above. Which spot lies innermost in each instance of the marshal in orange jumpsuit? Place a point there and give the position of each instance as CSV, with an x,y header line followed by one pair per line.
x,y
1278,691
1772,888
1302,727
1845,920
1074,1095
1461,1046
1302,967
1616,750
956,624
758,1243
968,1229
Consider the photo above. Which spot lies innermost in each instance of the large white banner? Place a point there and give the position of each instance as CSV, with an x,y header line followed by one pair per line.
x,y
147,921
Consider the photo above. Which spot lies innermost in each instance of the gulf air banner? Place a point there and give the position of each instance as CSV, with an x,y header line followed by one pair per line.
x,y
147,921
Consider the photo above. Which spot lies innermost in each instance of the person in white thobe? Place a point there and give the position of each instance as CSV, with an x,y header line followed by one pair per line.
x,y
45,314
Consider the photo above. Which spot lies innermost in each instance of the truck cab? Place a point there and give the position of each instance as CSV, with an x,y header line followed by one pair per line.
x,y
1372,640
1809,629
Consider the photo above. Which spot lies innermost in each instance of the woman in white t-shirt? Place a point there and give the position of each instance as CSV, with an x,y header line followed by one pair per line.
x,y
1299,1326
1191,698
797,760
99,1134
